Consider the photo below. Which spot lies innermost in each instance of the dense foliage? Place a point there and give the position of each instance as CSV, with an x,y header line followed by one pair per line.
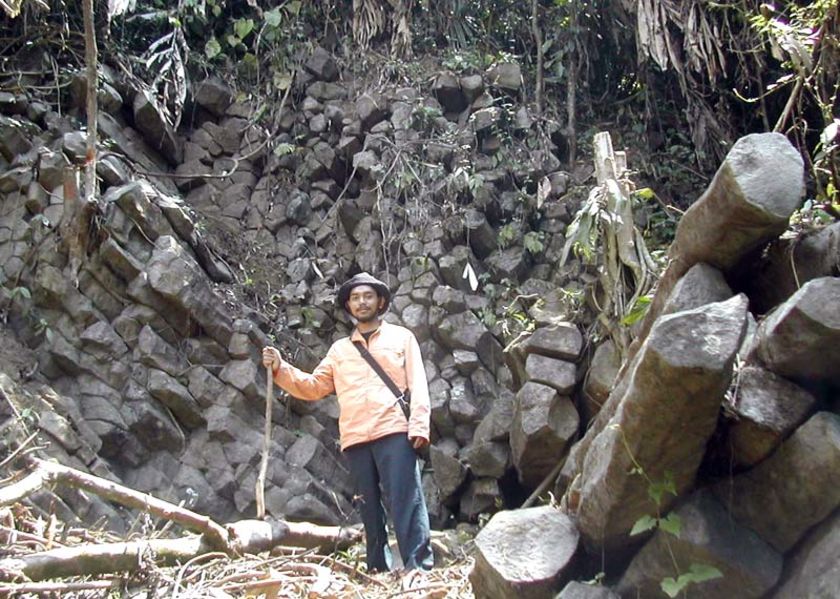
x,y
679,80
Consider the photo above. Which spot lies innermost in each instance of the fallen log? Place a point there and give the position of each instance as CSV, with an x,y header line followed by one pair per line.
x,y
44,473
96,559
244,536
252,536
56,588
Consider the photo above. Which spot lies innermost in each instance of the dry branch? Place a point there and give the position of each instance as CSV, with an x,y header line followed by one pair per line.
x,y
49,472
246,536
23,488
44,588
259,492
104,558
252,536
91,64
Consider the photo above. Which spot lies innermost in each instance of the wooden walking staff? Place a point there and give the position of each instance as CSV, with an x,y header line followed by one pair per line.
x,y
260,486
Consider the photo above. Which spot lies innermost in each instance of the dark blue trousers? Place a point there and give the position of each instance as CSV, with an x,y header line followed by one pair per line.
x,y
386,468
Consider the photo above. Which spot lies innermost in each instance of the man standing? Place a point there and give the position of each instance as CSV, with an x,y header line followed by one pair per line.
x,y
377,436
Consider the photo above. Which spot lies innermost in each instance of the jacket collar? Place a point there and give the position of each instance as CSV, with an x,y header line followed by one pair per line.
x,y
357,336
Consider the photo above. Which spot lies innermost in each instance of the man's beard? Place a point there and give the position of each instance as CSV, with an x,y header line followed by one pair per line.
x,y
368,317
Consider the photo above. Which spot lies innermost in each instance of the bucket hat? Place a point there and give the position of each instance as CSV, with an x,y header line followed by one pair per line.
x,y
363,278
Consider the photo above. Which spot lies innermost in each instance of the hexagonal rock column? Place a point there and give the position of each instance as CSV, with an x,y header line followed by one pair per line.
x,y
524,554
702,284
582,590
747,204
562,341
707,537
543,425
801,338
559,374
600,379
663,422
767,409
449,472
814,570
792,490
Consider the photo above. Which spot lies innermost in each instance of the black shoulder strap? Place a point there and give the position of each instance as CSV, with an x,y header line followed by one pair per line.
x,y
377,368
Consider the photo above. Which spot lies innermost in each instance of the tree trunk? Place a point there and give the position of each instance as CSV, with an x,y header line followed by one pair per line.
x,y
571,89
91,61
254,537
537,33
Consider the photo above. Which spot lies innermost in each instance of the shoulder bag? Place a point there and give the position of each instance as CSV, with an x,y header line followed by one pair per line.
x,y
403,397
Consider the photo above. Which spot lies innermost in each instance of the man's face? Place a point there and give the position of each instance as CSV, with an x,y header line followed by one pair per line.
x,y
364,303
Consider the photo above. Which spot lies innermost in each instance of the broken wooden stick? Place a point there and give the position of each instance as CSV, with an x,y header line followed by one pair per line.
x,y
260,485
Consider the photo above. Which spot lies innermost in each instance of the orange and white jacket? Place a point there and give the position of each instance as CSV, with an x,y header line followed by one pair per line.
x,y
368,409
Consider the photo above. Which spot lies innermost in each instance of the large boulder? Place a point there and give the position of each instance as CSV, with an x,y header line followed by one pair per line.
x,y
510,263
149,120
496,425
582,590
559,374
706,537
702,284
543,425
747,204
524,553
488,458
177,277
176,397
214,95
766,410
506,76
792,490
663,422
562,341
813,569
801,338
449,472
462,331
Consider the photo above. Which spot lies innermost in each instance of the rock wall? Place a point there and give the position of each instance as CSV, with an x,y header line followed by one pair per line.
x,y
711,467
158,344
147,363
